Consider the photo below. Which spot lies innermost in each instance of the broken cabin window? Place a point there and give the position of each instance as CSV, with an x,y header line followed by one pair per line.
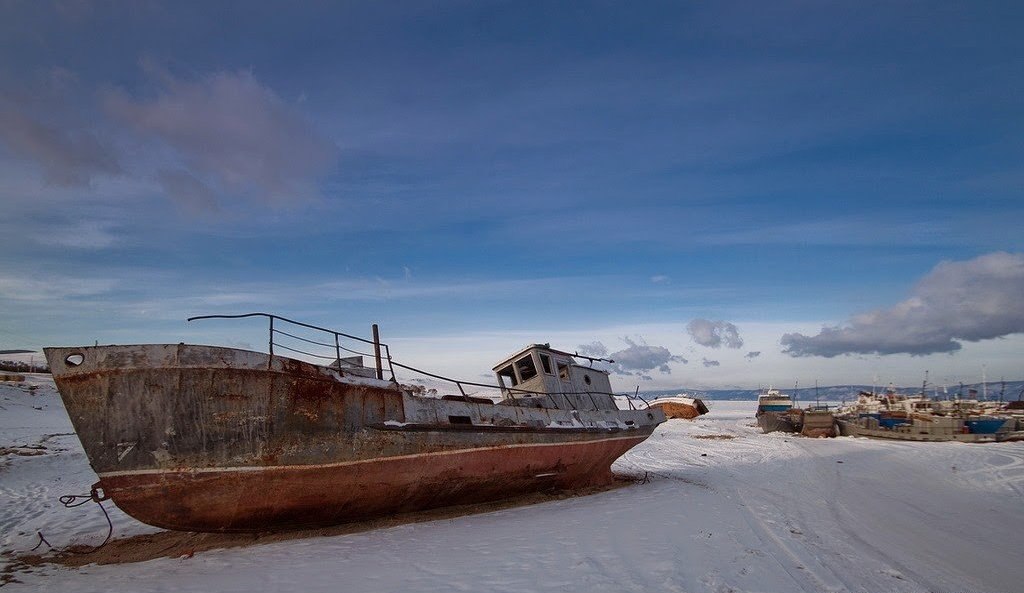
x,y
526,368
509,374
545,361
563,371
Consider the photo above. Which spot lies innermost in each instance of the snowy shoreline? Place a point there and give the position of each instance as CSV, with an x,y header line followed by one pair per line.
x,y
752,512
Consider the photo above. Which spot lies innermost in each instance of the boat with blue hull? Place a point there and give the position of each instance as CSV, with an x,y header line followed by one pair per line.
x,y
774,412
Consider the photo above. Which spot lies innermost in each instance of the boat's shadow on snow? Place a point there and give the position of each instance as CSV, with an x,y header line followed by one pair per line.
x,y
181,544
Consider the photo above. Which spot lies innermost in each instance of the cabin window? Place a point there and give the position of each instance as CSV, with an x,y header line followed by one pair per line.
x,y
527,370
563,371
507,373
545,361
586,379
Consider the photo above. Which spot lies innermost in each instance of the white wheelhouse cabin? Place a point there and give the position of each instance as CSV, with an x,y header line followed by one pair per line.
x,y
553,378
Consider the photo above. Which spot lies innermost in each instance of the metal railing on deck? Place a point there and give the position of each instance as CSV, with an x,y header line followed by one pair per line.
x,y
381,352
338,336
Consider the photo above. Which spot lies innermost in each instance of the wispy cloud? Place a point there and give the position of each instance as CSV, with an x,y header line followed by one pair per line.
x,y
232,136
82,234
710,363
39,123
53,288
972,300
838,231
752,355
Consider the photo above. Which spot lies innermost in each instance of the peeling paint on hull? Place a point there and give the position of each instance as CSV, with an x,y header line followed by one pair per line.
x,y
200,438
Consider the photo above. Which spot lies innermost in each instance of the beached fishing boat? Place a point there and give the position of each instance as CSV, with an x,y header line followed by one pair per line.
x,y
919,418
773,412
934,427
204,438
680,406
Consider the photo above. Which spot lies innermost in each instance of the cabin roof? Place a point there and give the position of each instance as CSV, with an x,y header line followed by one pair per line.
x,y
518,353
543,348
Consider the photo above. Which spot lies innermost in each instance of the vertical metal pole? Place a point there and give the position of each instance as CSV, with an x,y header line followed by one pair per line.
x,y
391,366
376,352
337,350
271,335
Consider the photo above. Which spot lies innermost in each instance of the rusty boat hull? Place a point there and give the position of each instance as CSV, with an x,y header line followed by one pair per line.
x,y
202,438
686,408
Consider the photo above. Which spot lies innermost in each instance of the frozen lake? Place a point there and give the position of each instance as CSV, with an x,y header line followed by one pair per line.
x,y
724,508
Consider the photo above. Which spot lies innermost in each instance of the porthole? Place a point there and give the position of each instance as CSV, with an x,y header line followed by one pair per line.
x,y
586,379
73,360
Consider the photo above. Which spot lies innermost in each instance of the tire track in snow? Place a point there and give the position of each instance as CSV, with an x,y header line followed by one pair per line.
x,y
805,577
1009,474
845,523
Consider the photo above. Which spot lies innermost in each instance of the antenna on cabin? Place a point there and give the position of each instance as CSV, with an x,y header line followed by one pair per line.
x,y
592,359
795,392
924,385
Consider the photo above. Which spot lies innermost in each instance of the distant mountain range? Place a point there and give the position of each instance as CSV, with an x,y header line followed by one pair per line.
x,y
1012,391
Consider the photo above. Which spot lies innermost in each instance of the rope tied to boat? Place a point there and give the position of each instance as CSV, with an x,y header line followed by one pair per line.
x,y
70,501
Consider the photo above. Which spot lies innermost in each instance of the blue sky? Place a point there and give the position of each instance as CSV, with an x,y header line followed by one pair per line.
x,y
478,175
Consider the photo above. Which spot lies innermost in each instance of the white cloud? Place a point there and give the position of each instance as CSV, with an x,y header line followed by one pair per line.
x,y
713,334
710,363
594,349
972,300
638,359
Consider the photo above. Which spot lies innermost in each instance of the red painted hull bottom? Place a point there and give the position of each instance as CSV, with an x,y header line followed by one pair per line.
x,y
291,497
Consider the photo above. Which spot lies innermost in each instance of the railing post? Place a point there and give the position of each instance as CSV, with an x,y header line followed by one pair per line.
x,y
271,335
376,352
337,350
391,363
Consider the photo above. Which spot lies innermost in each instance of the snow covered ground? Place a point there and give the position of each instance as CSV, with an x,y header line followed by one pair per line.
x,y
725,509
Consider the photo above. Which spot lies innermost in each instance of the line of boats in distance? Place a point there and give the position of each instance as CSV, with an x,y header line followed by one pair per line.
x,y
891,415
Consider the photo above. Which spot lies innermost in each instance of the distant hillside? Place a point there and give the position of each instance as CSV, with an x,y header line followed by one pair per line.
x,y
841,392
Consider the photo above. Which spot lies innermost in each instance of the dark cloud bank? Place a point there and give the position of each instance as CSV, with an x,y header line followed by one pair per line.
x,y
972,300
